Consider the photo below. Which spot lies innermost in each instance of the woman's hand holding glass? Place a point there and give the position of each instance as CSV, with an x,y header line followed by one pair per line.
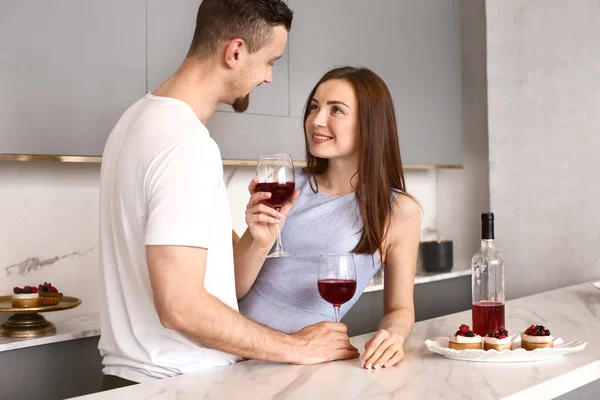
x,y
385,349
262,219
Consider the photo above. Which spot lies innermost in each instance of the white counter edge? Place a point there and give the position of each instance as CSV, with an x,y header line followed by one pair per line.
x,y
560,385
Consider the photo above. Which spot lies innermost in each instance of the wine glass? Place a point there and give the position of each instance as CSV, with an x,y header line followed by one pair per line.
x,y
276,175
336,279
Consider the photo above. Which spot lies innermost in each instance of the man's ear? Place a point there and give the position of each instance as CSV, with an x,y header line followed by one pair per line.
x,y
234,51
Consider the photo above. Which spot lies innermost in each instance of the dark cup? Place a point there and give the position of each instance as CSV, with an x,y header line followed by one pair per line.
x,y
437,256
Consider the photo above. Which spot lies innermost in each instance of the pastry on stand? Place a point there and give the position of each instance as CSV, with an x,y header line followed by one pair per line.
x,y
25,297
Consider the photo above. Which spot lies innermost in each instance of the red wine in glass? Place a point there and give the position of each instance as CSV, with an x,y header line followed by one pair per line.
x,y
336,280
487,315
275,174
281,192
337,291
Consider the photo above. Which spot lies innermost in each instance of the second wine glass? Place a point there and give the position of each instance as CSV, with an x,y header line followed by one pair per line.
x,y
336,280
276,175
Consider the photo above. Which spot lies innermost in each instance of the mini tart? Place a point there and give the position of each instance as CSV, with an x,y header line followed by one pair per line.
x,y
536,337
491,343
530,343
464,346
497,340
49,295
50,299
25,300
464,339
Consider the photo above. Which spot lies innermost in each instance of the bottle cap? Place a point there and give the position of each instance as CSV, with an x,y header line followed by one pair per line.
x,y
487,216
487,226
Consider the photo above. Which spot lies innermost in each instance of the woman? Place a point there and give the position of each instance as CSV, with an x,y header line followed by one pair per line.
x,y
352,199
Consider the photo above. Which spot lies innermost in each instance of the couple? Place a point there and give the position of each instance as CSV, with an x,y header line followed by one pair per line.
x,y
170,286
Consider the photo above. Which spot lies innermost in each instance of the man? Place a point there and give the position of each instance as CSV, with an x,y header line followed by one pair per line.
x,y
169,302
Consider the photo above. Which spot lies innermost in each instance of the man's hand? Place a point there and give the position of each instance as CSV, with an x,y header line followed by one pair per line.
x,y
322,342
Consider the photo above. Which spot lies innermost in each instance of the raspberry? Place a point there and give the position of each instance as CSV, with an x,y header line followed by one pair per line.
x,y
464,328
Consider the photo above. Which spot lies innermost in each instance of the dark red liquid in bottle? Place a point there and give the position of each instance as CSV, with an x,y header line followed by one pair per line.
x,y
487,315
336,291
280,192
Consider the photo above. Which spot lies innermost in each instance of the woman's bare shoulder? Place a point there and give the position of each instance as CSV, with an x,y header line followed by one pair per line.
x,y
406,208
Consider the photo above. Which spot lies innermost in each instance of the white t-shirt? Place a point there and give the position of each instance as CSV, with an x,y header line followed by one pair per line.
x,y
161,184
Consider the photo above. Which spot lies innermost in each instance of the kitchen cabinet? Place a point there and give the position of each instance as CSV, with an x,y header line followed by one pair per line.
x,y
415,46
69,69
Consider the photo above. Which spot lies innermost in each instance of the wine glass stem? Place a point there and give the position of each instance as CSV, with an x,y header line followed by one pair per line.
x,y
336,310
279,247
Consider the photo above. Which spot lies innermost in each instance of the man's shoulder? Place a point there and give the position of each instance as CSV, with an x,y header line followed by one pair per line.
x,y
166,123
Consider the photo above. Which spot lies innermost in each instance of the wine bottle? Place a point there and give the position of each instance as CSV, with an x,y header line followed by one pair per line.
x,y
487,281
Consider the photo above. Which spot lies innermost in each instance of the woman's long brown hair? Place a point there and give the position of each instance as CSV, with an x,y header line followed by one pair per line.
x,y
380,170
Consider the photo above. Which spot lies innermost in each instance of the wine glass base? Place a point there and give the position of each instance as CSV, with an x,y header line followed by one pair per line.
x,y
277,254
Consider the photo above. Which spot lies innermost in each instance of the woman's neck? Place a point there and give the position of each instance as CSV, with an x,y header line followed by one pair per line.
x,y
339,178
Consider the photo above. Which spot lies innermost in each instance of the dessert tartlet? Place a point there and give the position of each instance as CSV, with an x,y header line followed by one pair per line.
x,y
49,295
497,339
26,297
536,337
464,339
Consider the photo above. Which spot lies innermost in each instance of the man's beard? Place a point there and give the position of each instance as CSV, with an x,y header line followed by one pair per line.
x,y
241,103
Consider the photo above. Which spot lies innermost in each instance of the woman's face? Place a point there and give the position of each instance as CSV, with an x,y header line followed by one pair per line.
x,y
332,125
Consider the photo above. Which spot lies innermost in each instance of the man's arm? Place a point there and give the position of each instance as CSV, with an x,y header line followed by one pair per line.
x,y
182,303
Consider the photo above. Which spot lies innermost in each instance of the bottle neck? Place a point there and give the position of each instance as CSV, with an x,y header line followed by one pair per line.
x,y
487,244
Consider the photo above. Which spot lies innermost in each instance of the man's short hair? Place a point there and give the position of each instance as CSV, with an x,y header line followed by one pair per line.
x,y
220,21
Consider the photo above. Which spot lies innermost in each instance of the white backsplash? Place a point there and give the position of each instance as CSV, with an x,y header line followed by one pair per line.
x,y
49,223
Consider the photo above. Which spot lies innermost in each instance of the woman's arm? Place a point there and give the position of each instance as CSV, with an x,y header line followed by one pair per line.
x,y
249,254
248,257
386,347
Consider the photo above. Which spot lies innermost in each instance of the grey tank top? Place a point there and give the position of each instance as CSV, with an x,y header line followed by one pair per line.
x,y
284,295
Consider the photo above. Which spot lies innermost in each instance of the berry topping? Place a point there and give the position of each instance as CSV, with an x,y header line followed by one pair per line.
x,y
499,333
464,330
48,288
25,290
537,330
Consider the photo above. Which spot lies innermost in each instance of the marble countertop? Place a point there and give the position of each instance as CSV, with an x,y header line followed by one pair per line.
x,y
67,328
82,326
572,313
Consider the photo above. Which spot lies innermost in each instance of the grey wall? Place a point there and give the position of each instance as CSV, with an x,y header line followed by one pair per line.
x,y
544,140
464,194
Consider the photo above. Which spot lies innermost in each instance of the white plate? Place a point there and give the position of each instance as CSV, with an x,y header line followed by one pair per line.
x,y
518,354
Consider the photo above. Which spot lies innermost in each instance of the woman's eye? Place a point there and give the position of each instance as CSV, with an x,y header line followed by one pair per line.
x,y
337,110
314,107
